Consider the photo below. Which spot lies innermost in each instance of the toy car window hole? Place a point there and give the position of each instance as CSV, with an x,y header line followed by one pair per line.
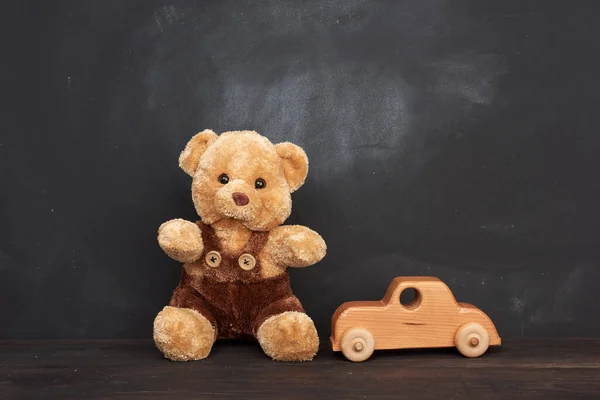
x,y
410,298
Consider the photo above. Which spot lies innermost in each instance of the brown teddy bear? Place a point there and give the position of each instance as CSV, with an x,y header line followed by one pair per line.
x,y
234,279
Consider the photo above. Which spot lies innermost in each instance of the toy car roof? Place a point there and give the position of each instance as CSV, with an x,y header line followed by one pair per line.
x,y
400,279
419,282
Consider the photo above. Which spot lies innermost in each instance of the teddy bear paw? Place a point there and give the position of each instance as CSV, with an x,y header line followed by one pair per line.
x,y
306,247
183,334
289,336
181,240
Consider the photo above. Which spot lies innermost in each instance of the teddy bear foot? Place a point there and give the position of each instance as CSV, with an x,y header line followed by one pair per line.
x,y
183,334
289,336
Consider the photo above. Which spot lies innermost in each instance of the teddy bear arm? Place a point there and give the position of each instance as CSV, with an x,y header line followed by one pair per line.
x,y
181,240
295,246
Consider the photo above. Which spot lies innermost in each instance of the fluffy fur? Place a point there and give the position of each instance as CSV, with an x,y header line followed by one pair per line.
x,y
228,301
274,333
183,334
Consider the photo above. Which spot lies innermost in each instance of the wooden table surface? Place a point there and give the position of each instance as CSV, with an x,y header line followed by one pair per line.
x,y
115,369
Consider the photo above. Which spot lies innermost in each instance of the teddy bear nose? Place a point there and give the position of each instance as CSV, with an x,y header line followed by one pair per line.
x,y
240,199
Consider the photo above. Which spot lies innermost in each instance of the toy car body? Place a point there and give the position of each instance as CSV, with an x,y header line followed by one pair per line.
x,y
432,319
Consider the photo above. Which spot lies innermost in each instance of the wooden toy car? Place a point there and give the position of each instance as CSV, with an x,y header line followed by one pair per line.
x,y
432,319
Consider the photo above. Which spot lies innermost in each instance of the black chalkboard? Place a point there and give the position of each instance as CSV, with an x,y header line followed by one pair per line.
x,y
458,139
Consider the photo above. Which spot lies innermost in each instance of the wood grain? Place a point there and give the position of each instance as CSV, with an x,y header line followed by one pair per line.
x,y
115,369
432,319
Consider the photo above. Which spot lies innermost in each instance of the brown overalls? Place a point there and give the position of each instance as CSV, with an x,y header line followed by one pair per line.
x,y
230,291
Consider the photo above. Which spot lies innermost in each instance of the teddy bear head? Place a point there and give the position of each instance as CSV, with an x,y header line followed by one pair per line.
x,y
241,175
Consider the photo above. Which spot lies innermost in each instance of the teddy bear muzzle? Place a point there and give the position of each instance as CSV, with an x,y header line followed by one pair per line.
x,y
240,199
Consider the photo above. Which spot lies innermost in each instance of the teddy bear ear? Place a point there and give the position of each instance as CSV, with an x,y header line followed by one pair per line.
x,y
295,164
190,156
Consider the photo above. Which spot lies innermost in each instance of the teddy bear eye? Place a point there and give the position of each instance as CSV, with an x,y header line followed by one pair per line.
x,y
260,183
223,178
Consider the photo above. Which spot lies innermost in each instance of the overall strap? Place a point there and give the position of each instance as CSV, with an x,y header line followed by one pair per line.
x,y
209,238
230,267
257,242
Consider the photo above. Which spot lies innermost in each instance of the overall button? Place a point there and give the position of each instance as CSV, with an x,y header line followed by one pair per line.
x,y
247,261
213,259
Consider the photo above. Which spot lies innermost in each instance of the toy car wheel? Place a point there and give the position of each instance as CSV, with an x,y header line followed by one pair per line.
x,y
472,339
357,344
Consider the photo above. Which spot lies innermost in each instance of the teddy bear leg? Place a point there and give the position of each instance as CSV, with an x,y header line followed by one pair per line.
x,y
183,334
289,336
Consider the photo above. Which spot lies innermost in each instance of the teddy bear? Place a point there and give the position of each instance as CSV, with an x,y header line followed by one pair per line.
x,y
234,280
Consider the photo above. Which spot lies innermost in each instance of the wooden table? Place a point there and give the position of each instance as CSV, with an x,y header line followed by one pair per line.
x,y
115,369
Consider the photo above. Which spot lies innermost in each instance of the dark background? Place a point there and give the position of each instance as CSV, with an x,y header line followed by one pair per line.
x,y
451,138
